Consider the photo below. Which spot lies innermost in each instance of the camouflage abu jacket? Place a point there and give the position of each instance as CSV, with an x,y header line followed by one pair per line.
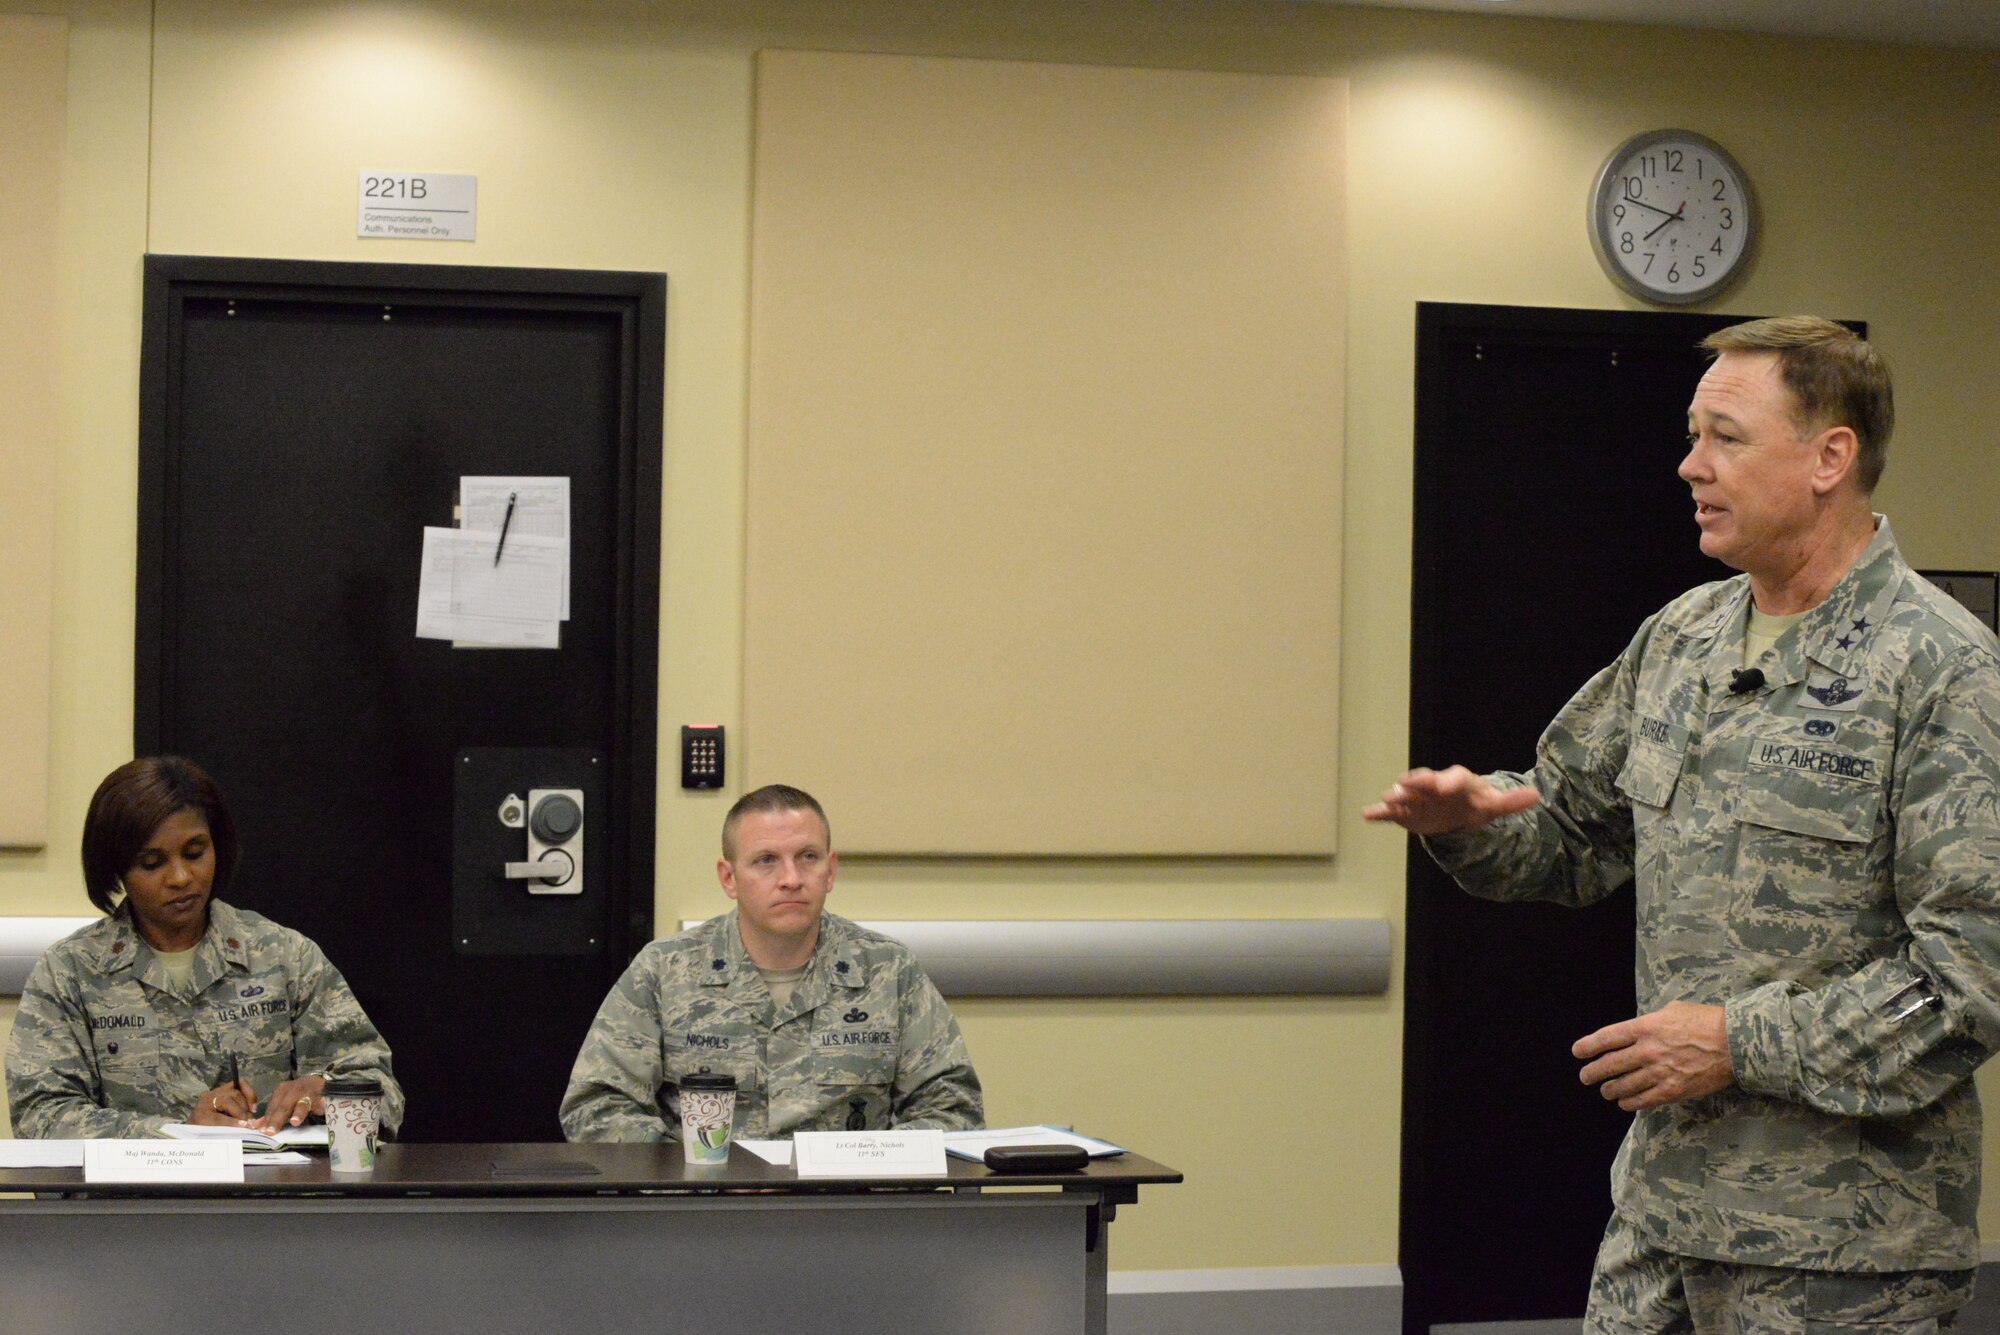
x,y
1820,856
866,1043
104,1046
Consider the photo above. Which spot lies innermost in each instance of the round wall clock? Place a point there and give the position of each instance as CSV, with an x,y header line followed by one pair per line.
x,y
1671,217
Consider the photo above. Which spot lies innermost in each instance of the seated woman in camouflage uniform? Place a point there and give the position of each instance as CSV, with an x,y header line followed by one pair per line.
x,y
177,1007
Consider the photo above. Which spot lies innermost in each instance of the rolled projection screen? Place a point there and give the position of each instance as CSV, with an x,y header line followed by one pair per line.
x,y
1228,957
1154,958
22,941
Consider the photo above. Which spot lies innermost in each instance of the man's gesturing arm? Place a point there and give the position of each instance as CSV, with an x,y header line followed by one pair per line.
x,y
1446,801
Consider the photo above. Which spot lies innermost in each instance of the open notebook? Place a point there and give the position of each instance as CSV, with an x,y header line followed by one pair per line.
x,y
254,1142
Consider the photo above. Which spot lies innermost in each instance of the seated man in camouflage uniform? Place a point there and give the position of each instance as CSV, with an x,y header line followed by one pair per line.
x,y
826,1026
1800,767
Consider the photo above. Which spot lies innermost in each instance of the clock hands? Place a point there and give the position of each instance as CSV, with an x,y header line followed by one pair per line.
x,y
1655,207
1673,217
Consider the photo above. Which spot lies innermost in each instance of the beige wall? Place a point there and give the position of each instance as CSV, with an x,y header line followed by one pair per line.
x,y
1056,496
620,139
32,90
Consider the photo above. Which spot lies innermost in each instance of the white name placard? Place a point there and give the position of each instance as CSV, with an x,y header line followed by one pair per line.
x,y
869,1153
162,1161
418,206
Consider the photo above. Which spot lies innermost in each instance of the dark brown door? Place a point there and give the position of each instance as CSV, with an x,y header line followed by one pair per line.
x,y
301,424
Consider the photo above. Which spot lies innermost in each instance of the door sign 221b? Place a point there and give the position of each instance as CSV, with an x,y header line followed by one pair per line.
x,y
417,206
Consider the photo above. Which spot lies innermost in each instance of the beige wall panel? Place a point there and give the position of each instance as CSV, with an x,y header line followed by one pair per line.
x,y
1044,454
102,217
33,92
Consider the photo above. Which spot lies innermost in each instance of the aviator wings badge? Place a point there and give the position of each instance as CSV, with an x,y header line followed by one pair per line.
x,y
1832,691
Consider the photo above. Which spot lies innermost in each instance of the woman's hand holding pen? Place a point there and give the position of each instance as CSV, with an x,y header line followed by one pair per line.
x,y
226,1105
234,1103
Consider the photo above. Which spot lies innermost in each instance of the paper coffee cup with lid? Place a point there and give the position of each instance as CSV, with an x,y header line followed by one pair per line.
x,y
353,1121
708,1107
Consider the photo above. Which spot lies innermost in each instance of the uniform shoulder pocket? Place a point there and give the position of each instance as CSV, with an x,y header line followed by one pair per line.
x,y
128,1066
719,1054
1653,764
855,1087
1812,805
127,1049
854,1047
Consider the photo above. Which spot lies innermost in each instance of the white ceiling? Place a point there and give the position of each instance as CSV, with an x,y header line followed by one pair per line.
x,y
1968,23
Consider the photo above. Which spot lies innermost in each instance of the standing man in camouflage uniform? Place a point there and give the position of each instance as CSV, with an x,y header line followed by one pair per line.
x,y
1800,767
826,1026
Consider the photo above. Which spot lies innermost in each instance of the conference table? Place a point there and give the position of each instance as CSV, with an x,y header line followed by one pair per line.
x,y
534,1238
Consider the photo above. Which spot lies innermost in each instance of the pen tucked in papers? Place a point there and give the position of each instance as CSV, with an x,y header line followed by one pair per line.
x,y
505,520
535,506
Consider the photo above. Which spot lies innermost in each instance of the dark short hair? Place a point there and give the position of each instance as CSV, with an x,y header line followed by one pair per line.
x,y
131,803
771,797
1835,375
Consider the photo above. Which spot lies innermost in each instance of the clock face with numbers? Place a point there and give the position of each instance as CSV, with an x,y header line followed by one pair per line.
x,y
1670,217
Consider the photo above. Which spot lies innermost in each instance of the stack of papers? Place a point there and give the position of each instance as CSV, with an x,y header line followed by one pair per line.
x,y
288,1137
501,579
259,1149
974,1144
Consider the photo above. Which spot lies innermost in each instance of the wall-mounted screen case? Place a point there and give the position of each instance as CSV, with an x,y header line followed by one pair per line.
x,y
515,812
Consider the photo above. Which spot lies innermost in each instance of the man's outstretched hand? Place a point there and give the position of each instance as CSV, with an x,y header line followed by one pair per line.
x,y
1446,801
